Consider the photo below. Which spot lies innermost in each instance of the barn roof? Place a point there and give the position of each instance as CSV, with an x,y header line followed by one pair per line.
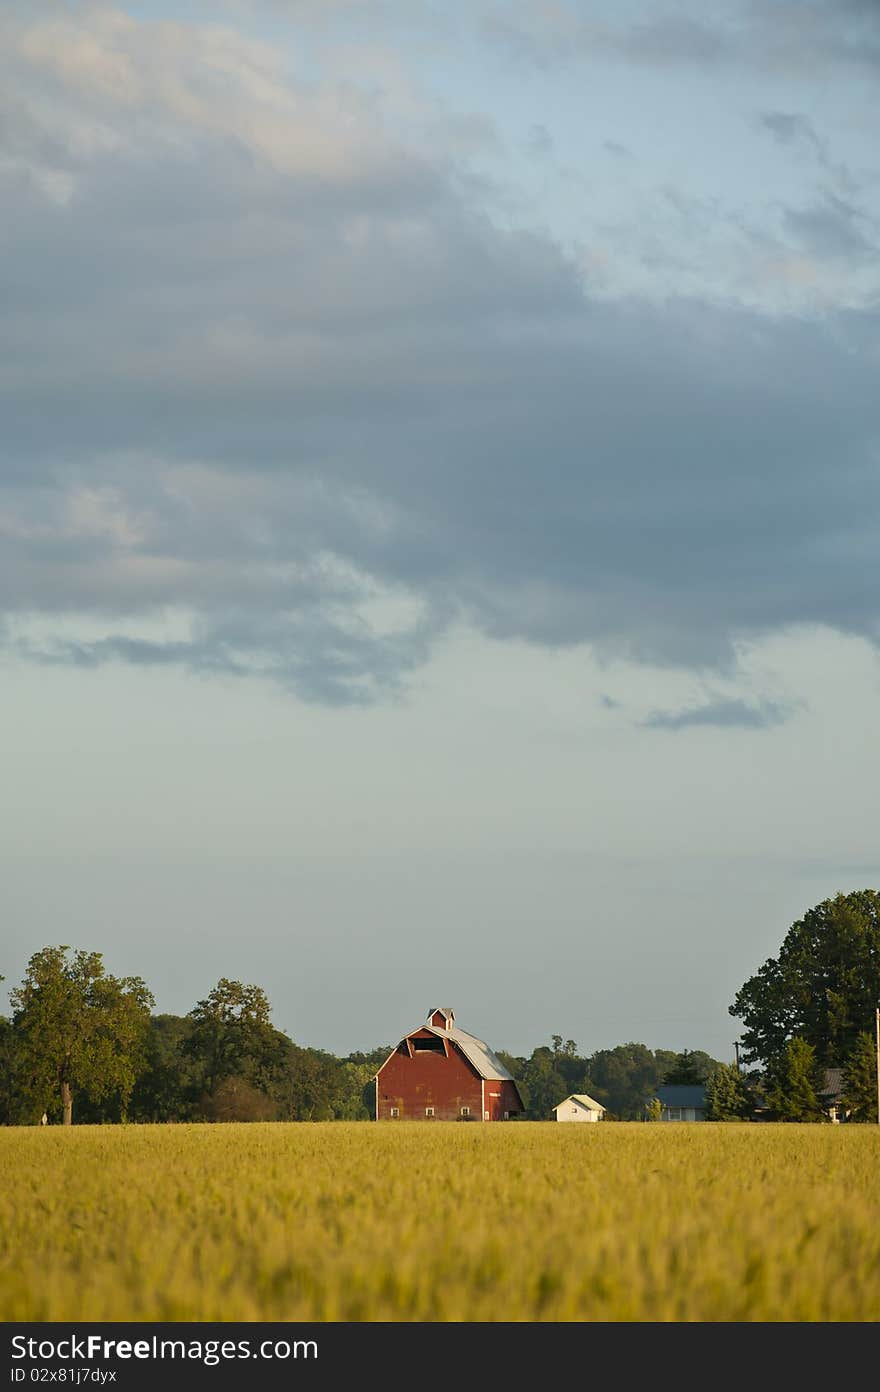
x,y
585,1101
476,1051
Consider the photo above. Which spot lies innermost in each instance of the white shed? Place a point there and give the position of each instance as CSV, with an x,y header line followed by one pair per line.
x,y
579,1107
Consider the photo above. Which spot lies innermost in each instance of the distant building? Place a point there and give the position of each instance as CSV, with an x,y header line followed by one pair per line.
x,y
831,1096
439,1072
579,1107
680,1102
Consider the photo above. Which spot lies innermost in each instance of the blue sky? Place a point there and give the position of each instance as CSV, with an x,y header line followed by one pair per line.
x,y
438,501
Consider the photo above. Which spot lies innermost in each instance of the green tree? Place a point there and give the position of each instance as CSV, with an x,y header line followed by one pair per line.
x,y
169,1084
654,1109
366,1064
794,1083
77,1029
623,1079
545,1085
860,1079
823,986
351,1082
231,1036
727,1097
306,1083
10,1098
690,1068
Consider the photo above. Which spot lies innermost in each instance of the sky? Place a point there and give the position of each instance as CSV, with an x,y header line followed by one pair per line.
x,y
439,500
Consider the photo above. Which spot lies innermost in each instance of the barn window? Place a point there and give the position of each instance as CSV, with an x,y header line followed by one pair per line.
x,y
429,1046
485,1116
465,1111
395,1111
429,1111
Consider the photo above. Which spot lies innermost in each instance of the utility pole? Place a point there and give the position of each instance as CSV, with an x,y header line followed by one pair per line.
x,y
736,1047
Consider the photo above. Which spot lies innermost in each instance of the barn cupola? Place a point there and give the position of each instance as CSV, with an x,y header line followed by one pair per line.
x,y
442,1017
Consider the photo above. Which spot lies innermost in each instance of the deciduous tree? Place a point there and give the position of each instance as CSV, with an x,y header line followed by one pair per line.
x,y
231,1035
77,1029
545,1085
823,986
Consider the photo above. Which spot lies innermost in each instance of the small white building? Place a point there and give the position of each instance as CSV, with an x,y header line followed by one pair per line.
x,y
579,1107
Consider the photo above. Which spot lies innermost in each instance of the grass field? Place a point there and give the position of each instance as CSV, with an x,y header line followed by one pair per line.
x,y
345,1221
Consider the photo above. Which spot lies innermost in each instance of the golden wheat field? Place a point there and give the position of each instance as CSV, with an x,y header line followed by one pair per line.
x,y
534,1222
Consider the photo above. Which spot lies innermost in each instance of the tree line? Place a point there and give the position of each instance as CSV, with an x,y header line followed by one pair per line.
x,y
80,1040
85,1042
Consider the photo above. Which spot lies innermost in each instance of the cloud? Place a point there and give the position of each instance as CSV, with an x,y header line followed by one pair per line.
x,y
791,128
792,36
265,363
735,714
831,227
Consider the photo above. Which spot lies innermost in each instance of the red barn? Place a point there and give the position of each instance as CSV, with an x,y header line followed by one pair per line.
x,y
440,1073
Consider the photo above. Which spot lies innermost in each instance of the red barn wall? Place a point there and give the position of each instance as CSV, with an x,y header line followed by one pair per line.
x,y
446,1082
501,1097
510,1099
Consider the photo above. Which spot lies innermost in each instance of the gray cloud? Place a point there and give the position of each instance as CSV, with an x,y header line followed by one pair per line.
x,y
791,128
735,714
794,35
675,38
798,134
831,227
289,382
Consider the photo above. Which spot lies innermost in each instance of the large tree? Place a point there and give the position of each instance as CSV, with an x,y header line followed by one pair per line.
x,y
824,985
77,1029
231,1036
